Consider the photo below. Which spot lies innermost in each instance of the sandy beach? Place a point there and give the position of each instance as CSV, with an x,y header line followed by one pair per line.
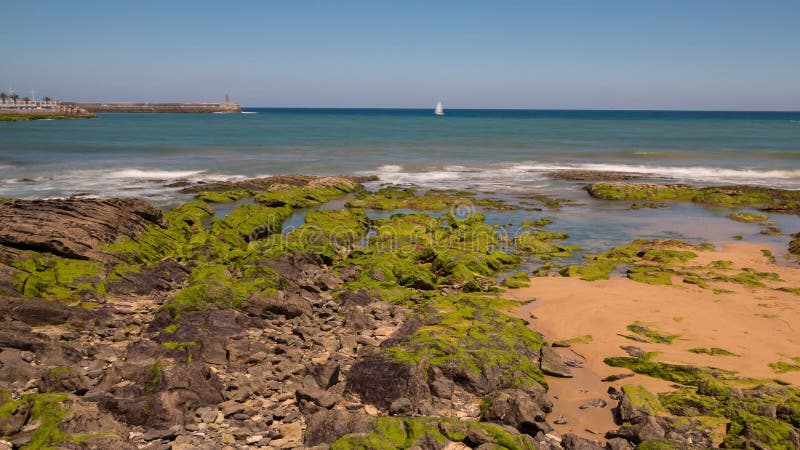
x,y
759,325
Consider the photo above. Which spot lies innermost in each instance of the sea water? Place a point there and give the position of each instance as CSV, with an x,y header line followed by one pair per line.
x,y
498,152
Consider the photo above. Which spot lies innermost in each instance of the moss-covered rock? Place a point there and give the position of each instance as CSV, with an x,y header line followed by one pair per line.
x,y
713,351
44,413
651,334
471,338
517,280
329,234
220,286
765,199
48,276
394,198
224,197
540,243
655,260
748,217
391,433
759,413
303,196
249,222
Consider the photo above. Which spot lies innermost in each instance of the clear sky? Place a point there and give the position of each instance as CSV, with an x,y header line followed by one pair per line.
x,y
677,54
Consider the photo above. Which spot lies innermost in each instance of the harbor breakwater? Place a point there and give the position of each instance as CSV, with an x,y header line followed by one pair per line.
x,y
223,107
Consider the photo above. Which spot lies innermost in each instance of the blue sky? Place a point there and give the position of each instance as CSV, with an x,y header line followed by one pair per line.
x,y
699,54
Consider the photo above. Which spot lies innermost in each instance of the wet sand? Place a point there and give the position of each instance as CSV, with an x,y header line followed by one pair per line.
x,y
761,325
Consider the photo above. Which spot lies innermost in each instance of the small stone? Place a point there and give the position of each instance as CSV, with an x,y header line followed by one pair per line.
x,y
633,351
616,377
552,364
291,432
383,332
595,402
371,410
207,414
254,439
231,407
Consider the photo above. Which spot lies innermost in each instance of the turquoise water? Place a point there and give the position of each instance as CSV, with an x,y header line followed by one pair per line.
x,y
503,152
137,154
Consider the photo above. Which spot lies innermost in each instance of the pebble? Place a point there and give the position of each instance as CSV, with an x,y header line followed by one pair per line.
x,y
254,439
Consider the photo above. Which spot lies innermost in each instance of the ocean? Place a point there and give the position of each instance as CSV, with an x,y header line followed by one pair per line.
x,y
137,154
502,152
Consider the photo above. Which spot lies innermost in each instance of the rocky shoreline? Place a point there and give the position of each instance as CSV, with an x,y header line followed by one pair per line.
x,y
130,327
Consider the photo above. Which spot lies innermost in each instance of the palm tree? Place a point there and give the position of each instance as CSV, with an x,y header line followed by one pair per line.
x,y
47,99
3,96
26,99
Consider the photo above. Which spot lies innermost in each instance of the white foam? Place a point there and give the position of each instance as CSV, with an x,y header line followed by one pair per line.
x,y
390,168
153,174
514,176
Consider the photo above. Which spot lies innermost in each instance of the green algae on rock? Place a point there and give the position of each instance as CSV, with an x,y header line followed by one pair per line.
x,y
713,351
391,433
715,394
748,217
472,338
517,280
765,199
540,243
48,276
651,334
303,196
224,197
394,198
655,258
44,413
219,285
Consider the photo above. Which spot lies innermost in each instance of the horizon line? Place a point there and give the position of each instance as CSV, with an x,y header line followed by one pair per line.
x,y
520,109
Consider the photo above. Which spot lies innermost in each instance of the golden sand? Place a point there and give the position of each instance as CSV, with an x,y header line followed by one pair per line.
x,y
761,325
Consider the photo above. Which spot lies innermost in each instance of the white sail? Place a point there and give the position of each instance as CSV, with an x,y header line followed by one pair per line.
x,y
439,111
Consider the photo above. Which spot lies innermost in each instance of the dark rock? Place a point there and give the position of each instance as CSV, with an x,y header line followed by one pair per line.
x,y
645,428
401,407
164,276
408,328
633,351
593,403
616,377
351,273
63,379
519,409
325,427
326,375
357,320
575,442
37,312
378,379
161,395
552,364
74,228
618,444
317,396
284,304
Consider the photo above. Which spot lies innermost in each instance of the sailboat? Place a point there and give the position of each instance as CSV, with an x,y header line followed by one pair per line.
x,y
439,111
